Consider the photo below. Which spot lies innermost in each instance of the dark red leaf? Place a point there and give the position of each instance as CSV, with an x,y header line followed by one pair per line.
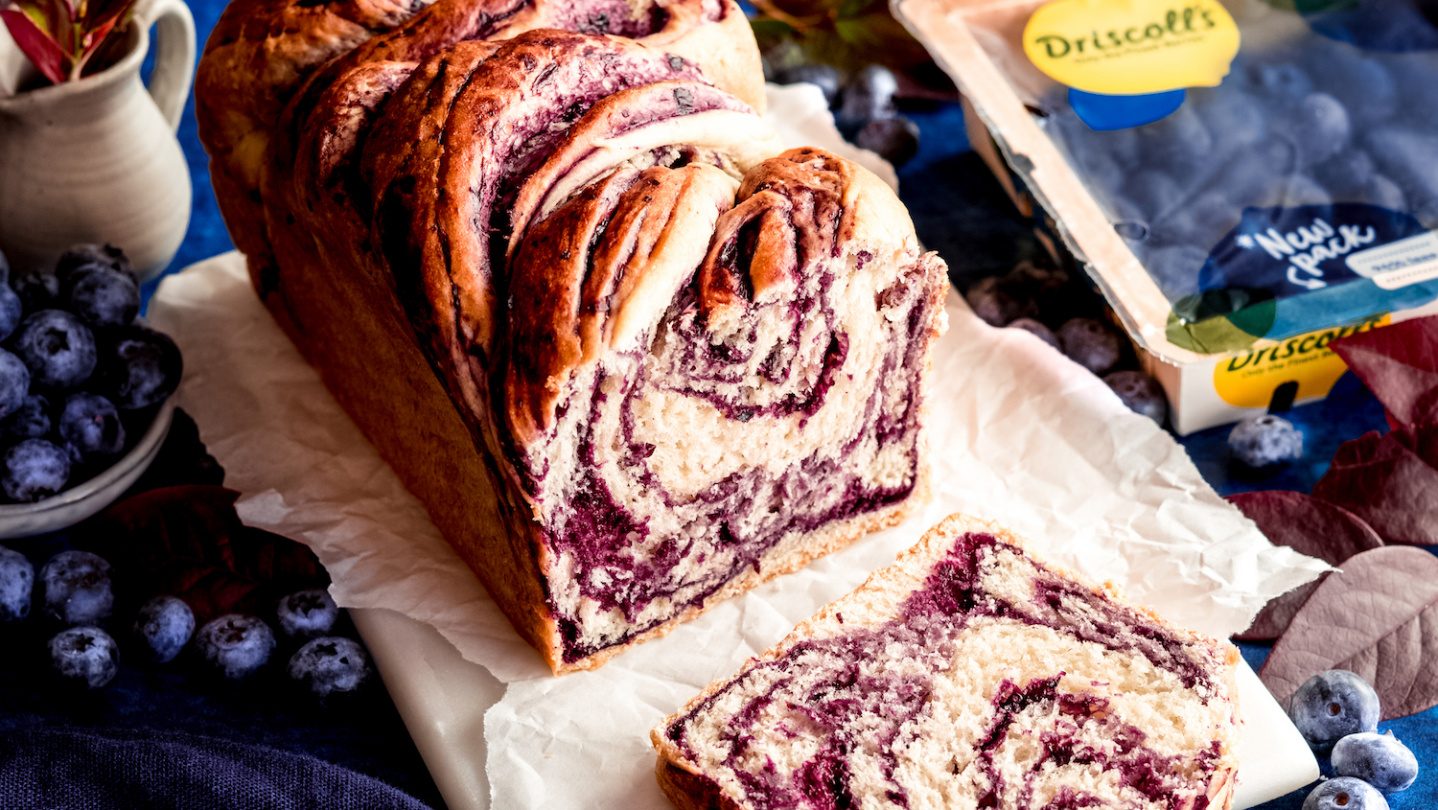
x,y
1398,363
1378,618
1308,526
1383,481
40,49
188,541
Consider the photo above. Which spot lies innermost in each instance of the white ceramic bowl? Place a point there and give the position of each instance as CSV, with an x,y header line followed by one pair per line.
x,y
79,502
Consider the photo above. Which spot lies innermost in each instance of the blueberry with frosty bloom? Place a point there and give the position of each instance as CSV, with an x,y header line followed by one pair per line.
x,y
307,613
17,584
165,625
1090,344
236,646
330,665
1140,392
75,587
86,656
1265,441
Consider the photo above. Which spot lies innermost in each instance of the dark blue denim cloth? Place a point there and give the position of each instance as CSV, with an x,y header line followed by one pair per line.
x,y
97,769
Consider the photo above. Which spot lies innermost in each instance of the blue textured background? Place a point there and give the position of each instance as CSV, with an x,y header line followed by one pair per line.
x,y
960,211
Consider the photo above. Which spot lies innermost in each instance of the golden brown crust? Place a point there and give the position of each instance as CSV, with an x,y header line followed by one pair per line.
x,y
374,252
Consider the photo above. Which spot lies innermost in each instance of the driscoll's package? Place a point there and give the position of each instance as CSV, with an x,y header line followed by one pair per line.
x,y
1246,180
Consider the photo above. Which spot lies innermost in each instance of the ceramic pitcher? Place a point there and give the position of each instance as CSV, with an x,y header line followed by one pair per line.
x,y
96,160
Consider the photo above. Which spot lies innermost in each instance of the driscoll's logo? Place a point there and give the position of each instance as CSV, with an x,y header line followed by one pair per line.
x,y
1302,344
1174,24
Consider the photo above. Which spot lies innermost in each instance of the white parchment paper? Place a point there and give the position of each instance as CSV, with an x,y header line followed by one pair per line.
x,y
1018,434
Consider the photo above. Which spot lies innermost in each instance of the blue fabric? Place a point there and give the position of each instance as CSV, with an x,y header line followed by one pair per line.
x,y
97,770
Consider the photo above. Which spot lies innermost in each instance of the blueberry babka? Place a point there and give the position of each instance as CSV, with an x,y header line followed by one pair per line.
x,y
632,355
966,675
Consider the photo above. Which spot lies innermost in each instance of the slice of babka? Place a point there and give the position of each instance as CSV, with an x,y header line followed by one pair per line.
x,y
967,675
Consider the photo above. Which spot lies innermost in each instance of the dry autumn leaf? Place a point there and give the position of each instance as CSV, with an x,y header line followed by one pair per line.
x,y
1378,618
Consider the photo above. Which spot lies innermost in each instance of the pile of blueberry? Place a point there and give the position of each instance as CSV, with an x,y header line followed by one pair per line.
x,y
1316,123
1048,303
1337,712
79,377
863,107
74,595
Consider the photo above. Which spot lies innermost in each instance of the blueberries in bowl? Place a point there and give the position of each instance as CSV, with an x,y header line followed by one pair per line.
x,y
164,625
76,588
85,656
1331,705
30,421
17,583
102,296
14,383
79,377
34,470
236,646
57,347
141,368
91,426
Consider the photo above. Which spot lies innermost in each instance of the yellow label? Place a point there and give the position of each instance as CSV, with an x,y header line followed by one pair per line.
x,y
1129,47
1247,380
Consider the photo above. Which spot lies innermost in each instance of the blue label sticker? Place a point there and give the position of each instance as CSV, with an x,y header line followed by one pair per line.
x,y
1104,112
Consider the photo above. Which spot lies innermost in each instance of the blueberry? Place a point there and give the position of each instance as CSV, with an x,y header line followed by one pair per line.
x,y
330,665
1359,80
1378,759
1323,127
12,309
825,77
1201,222
1346,172
867,96
165,625
1331,705
36,291
1263,441
58,348
997,302
236,646
1140,392
86,656
1280,81
1179,143
103,296
30,421
75,586
83,256
33,469
1300,189
90,424
894,139
1036,329
307,613
14,383
1090,344
1407,156
1345,793
1256,172
17,582
1233,116
141,368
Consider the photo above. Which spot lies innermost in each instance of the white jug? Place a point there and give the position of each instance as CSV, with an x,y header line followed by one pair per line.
x,y
96,160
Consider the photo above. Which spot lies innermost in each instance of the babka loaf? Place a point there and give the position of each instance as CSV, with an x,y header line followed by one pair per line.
x,y
632,356
966,675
